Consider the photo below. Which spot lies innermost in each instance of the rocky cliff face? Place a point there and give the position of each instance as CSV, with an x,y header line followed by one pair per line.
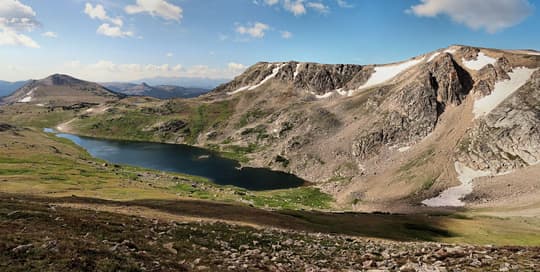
x,y
509,137
312,77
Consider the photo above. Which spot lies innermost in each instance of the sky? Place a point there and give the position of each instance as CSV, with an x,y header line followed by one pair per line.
x,y
127,40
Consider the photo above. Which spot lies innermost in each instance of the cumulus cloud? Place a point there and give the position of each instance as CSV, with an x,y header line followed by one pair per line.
x,y
286,34
49,34
98,12
16,17
113,31
256,30
236,66
106,70
318,6
271,2
493,15
344,4
296,7
160,8
300,7
10,37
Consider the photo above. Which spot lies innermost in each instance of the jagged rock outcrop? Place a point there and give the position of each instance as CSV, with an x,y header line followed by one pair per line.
x,y
450,82
311,77
508,137
411,110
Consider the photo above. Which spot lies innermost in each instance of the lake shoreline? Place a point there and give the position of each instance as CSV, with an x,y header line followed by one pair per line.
x,y
185,159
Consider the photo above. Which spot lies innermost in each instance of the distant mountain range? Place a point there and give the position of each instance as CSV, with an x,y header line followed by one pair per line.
x,y
12,90
160,91
188,82
60,89
6,88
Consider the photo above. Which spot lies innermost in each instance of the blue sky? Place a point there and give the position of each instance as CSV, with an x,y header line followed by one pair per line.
x,y
123,40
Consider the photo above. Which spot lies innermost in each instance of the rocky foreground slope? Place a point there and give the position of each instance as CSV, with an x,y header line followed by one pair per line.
x,y
42,236
370,135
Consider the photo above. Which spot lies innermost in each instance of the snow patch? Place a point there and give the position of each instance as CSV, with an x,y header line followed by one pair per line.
x,y
275,71
323,96
503,89
340,91
297,71
28,97
450,50
533,53
433,56
387,72
452,197
403,149
480,61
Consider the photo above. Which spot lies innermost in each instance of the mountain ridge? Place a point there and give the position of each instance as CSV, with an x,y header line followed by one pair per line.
x,y
61,89
373,136
158,91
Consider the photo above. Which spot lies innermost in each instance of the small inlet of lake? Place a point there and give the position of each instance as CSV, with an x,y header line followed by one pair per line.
x,y
186,160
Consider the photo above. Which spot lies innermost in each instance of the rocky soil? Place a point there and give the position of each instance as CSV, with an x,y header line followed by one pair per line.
x,y
44,237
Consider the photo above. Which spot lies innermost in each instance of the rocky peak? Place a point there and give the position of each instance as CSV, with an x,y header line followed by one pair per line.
x,y
60,80
450,82
312,77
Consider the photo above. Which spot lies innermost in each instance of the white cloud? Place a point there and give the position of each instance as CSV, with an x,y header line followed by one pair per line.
x,y
286,34
169,54
49,34
10,37
98,12
14,18
493,15
271,2
106,71
236,66
300,7
295,6
17,16
160,8
344,4
256,30
113,31
318,6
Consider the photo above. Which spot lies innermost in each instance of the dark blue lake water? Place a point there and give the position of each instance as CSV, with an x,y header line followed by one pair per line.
x,y
184,159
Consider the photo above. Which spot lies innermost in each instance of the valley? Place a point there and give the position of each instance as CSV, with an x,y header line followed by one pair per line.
x,y
388,166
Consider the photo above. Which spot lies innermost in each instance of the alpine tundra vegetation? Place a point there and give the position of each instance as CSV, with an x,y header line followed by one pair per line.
x,y
244,151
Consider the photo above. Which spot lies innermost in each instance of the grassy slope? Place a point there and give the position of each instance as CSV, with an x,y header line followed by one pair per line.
x,y
139,123
42,164
37,163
